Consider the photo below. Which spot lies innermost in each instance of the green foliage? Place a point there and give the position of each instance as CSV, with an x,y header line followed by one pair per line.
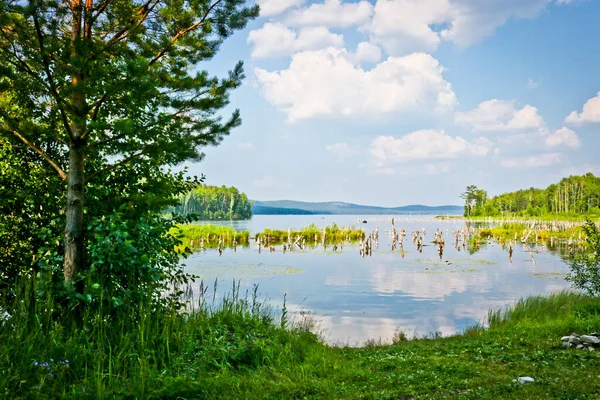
x,y
30,216
213,202
475,200
127,353
193,236
103,90
237,350
572,197
585,267
333,233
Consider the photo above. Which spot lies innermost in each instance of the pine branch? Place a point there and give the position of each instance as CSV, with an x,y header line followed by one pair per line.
x,y
41,152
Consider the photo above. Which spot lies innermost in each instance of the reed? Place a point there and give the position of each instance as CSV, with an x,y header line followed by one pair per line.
x,y
198,236
330,234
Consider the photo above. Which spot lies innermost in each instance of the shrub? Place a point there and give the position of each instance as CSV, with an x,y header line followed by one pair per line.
x,y
585,267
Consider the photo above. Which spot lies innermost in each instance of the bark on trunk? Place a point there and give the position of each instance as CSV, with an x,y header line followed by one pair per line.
x,y
74,245
74,241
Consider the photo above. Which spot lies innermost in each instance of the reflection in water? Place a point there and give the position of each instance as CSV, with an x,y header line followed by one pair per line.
x,y
417,286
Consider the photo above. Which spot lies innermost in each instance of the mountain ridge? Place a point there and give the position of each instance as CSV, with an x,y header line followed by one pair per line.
x,y
283,207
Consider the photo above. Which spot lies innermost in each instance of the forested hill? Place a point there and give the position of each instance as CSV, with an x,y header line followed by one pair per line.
x,y
300,207
575,195
214,202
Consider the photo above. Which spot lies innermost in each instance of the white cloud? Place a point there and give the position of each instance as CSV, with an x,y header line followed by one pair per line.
x,y
269,8
540,160
275,39
500,115
563,137
590,112
266,181
403,26
244,145
473,20
327,82
331,13
425,145
366,51
343,151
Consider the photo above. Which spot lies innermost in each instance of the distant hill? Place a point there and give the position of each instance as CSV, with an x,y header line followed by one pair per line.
x,y
283,207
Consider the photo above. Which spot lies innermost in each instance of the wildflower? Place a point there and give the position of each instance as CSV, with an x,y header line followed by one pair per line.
x,y
35,363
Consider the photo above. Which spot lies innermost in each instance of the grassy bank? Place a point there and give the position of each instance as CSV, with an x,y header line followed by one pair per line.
x,y
196,236
333,234
238,350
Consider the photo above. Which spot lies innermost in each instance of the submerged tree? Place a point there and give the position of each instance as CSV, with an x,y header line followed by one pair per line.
x,y
107,93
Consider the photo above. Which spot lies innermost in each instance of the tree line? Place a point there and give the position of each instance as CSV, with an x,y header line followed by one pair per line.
x,y
214,202
573,195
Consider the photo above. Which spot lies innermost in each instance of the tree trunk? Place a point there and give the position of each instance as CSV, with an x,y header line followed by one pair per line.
x,y
74,245
74,229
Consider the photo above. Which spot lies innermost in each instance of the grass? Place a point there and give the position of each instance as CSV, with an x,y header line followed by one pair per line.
x,y
507,231
311,233
237,349
195,236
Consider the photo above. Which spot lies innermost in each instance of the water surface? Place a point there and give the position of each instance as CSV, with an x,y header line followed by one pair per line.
x,y
355,299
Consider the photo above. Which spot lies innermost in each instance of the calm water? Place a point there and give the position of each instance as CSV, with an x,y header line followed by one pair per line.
x,y
355,299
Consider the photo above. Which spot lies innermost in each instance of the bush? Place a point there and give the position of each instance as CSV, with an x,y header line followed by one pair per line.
x,y
585,267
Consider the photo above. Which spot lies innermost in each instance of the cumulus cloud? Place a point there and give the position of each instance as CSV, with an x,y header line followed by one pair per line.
x,y
269,8
425,145
342,151
331,13
327,82
275,39
563,137
244,145
403,26
500,115
540,160
590,112
366,51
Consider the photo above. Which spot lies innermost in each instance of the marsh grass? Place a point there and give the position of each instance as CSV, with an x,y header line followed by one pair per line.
x,y
311,233
195,236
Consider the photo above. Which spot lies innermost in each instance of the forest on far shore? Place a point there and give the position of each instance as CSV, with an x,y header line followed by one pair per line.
x,y
214,202
575,195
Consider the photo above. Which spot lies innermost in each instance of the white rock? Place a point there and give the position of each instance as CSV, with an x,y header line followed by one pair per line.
x,y
590,339
565,338
525,379
574,340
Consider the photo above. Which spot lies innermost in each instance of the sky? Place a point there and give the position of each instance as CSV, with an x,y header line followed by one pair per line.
x,y
397,102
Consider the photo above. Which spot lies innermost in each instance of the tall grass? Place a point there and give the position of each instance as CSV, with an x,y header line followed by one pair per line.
x,y
134,350
195,236
333,234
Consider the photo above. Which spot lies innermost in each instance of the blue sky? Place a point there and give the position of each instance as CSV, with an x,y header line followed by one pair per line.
x,y
396,102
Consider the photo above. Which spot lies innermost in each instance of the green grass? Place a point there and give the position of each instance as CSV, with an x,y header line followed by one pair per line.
x,y
193,236
237,349
311,233
508,230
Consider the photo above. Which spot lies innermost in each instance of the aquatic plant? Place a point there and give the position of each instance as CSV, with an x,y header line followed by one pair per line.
x,y
197,236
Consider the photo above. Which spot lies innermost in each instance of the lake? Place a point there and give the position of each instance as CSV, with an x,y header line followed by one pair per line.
x,y
355,299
